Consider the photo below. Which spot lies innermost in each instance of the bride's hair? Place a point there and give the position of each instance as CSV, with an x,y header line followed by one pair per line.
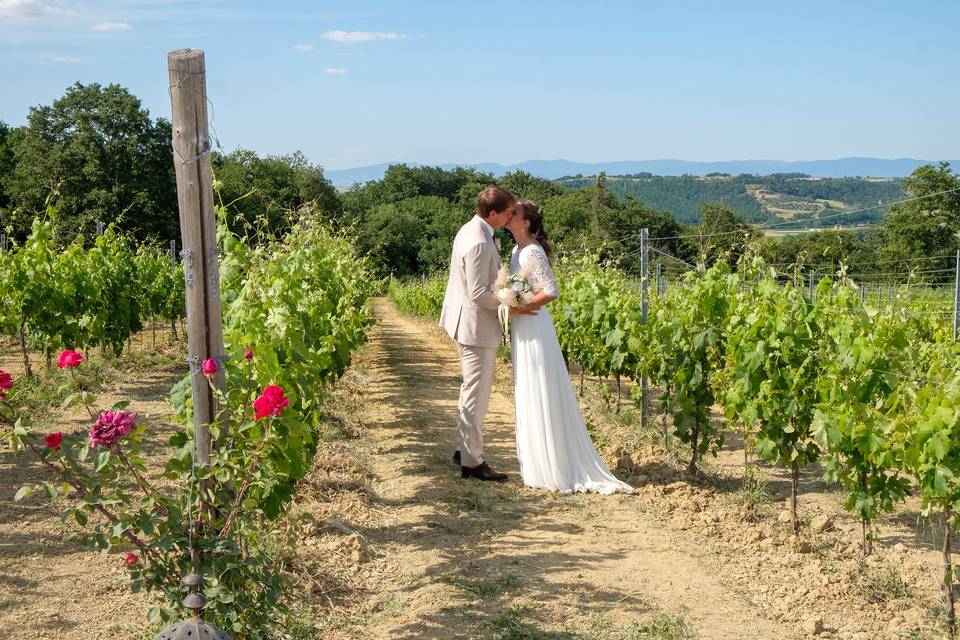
x,y
531,212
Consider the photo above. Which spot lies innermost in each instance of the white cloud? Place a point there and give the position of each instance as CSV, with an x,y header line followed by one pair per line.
x,y
110,26
306,46
333,71
59,60
28,10
354,37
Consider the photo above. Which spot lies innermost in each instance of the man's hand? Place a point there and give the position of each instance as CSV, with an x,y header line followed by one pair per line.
x,y
522,311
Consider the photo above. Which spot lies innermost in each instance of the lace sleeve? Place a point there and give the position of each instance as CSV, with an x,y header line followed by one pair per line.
x,y
541,273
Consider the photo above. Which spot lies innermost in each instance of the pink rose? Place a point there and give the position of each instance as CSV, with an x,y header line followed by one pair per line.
x,y
53,441
110,427
209,367
6,380
69,359
130,559
248,354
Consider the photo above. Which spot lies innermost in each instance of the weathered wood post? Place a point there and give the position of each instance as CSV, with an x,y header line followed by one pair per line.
x,y
644,311
191,158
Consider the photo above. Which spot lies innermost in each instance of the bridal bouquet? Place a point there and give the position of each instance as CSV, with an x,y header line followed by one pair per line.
x,y
515,290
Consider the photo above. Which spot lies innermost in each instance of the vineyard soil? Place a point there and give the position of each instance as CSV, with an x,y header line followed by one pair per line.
x,y
55,587
397,546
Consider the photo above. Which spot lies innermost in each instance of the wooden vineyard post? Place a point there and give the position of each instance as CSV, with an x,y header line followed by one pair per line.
x,y
948,588
956,299
644,308
191,158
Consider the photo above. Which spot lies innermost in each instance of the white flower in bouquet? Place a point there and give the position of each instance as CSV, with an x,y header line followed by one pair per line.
x,y
515,290
507,297
503,277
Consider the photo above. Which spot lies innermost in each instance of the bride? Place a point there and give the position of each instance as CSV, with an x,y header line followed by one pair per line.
x,y
553,445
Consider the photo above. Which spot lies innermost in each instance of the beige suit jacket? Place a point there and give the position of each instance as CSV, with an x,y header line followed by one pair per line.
x,y
469,313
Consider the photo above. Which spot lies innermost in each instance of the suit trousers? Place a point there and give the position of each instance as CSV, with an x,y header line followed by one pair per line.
x,y
477,365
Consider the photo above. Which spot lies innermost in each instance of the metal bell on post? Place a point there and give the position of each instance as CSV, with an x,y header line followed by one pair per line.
x,y
195,628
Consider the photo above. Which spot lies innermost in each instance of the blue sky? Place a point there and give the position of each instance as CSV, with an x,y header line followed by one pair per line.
x,y
361,82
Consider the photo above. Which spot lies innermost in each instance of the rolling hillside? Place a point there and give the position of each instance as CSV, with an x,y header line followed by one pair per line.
x,y
783,197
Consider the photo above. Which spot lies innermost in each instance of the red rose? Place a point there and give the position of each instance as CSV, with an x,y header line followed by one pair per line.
x,y
248,354
271,402
6,380
262,407
130,559
273,391
53,441
70,359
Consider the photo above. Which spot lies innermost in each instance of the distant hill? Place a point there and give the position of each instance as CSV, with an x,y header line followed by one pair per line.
x,y
554,169
779,198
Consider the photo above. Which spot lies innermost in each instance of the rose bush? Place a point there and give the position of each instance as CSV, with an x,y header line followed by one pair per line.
x,y
303,305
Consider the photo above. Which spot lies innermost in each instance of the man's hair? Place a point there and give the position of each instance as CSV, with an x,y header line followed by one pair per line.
x,y
493,199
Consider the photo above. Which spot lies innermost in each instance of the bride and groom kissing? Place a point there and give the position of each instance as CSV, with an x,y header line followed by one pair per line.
x,y
553,447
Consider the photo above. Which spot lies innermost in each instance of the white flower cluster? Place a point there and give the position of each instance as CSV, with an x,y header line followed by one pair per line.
x,y
515,290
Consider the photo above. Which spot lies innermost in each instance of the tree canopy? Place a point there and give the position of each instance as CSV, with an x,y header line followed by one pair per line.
x,y
96,155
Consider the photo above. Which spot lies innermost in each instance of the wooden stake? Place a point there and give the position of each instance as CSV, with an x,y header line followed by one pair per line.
x,y
191,159
644,312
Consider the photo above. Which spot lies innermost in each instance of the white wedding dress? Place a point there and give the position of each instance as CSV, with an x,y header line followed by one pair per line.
x,y
553,445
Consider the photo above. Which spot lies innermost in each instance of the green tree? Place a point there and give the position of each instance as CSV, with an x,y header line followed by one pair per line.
x,y
823,251
566,218
390,236
99,153
622,225
459,186
722,234
529,187
924,228
438,222
262,191
6,169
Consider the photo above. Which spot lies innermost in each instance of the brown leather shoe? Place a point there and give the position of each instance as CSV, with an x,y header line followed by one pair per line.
x,y
482,472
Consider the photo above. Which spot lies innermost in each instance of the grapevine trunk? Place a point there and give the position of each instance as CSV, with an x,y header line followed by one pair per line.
x,y
794,483
948,574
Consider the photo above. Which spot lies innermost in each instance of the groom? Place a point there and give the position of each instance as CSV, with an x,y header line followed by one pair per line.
x,y
469,316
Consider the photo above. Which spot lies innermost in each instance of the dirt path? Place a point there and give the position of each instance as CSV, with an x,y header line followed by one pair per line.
x,y
479,560
395,545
